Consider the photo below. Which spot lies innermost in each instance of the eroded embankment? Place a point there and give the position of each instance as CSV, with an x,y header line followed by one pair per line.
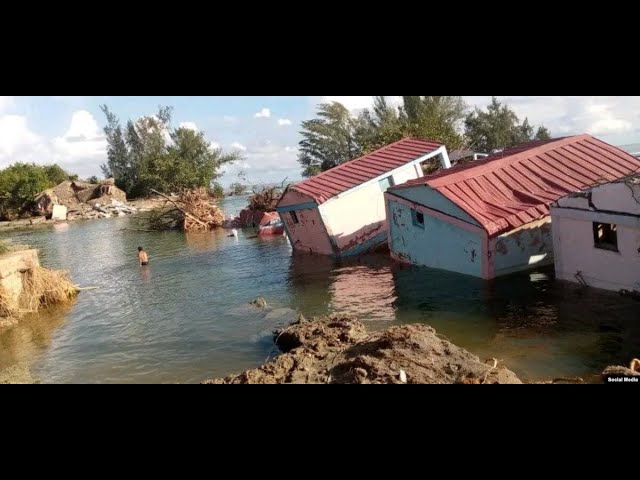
x,y
339,350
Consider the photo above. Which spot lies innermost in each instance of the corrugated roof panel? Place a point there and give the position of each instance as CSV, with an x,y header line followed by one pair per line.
x,y
512,188
344,177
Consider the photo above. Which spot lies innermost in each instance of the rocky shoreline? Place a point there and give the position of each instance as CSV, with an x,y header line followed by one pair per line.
x,y
95,212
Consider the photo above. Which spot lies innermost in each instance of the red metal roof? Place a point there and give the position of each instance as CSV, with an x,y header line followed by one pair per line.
x,y
356,172
514,187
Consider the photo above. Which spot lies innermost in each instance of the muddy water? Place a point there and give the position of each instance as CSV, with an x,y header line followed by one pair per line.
x,y
187,316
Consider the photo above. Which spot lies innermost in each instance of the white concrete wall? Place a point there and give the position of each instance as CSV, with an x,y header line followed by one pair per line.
x,y
576,257
360,214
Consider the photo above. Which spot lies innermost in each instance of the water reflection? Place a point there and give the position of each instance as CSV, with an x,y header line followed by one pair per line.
x,y
21,344
187,316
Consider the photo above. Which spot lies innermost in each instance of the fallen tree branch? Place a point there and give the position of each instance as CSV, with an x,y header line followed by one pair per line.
x,y
187,214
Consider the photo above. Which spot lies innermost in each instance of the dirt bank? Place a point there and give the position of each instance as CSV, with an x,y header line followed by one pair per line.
x,y
339,350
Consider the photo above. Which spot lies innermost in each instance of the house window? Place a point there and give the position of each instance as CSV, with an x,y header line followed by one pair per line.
x,y
385,183
418,218
294,217
605,236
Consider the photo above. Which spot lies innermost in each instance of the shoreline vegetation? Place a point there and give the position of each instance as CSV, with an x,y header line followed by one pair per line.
x,y
338,350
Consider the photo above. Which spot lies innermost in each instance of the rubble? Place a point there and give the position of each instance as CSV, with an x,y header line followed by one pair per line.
x,y
83,201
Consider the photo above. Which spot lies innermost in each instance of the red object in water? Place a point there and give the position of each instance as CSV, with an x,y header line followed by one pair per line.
x,y
271,230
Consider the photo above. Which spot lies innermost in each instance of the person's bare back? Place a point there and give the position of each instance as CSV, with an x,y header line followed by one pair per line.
x,y
142,256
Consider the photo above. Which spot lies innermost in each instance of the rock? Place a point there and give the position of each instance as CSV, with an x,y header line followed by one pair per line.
x,y
260,302
339,350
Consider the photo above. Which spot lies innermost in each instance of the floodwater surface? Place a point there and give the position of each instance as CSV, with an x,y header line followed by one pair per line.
x,y
186,317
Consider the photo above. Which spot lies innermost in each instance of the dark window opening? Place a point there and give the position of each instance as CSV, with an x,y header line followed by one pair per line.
x,y
605,236
294,217
432,165
418,218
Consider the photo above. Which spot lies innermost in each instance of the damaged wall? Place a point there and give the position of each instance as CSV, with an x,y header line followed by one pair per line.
x,y
425,195
523,248
356,217
577,259
439,244
357,220
309,233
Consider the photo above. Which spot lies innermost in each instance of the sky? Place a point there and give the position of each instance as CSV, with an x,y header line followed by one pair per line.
x,y
68,129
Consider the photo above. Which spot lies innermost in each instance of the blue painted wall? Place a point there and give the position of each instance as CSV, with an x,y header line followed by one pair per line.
x,y
523,249
433,199
438,245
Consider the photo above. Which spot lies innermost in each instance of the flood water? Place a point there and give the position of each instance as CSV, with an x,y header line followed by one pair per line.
x,y
186,317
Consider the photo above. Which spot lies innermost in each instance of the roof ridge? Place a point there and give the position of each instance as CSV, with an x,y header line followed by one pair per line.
x,y
379,150
442,178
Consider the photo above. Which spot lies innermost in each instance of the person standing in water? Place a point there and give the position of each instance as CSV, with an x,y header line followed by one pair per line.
x,y
142,256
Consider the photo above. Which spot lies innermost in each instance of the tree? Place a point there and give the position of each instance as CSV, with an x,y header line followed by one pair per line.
x,y
56,174
499,128
19,185
150,154
435,118
329,140
238,188
217,190
94,179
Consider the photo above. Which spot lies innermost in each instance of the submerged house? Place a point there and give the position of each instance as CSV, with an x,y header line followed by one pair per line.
x,y
596,236
491,217
341,212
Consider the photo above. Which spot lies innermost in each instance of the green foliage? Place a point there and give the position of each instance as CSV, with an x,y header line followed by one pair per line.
x,y
217,190
238,188
73,177
329,140
56,174
498,127
22,182
150,154
94,179
337,137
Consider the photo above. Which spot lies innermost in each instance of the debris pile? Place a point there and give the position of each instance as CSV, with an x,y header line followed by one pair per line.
x,y
83,200
191,211
261,210
339,350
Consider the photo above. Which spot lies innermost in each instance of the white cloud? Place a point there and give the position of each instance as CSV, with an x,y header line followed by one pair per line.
x,y
612,118
214,145
264,113
81,149
356,104
17,141
352,103
238,146
189,125
269,162
5,103
284,121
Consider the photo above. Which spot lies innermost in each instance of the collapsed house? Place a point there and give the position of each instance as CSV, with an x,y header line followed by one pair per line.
x,y
341,212
596,236
78,198
491,217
